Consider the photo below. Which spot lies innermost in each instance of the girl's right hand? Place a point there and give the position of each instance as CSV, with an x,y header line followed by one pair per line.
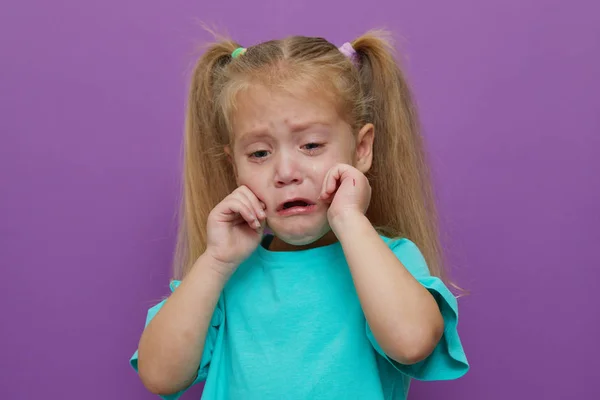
x,y
234,229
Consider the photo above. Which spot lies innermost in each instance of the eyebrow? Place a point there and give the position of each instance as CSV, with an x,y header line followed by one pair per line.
x,y
263,133
254,135
305,125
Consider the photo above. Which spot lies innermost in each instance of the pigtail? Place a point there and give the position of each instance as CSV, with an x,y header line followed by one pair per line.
x,y
207,175
403,200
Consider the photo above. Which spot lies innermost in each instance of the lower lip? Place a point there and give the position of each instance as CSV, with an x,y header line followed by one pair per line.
x,y
286,212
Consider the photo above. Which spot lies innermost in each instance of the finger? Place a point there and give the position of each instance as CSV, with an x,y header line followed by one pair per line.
x,y
247,197
333,183
324,186
253,202
333,179
237,206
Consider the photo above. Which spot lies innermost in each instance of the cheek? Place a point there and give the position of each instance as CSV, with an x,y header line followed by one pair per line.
x,y
246,177
249,180
321,165
254,181
242,172
318,171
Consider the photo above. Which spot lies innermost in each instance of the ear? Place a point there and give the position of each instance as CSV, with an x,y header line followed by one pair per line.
x,y
229,153
364,148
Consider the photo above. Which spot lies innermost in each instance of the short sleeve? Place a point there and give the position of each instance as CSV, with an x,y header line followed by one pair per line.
x,y
209,344
448,360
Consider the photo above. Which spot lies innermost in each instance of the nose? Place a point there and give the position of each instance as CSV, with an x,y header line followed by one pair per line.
x,y
287,171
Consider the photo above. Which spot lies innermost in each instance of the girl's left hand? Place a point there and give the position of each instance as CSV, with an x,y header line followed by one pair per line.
x,y
348,190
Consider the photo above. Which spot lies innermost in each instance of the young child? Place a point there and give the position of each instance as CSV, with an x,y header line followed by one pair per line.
x,y
308,249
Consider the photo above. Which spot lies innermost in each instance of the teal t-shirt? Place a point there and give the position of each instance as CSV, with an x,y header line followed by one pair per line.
x,y
289,325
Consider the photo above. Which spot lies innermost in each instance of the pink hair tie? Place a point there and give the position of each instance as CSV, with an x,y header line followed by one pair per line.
x,y
347,50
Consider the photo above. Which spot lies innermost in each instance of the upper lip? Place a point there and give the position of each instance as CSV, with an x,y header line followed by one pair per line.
x,y
282,204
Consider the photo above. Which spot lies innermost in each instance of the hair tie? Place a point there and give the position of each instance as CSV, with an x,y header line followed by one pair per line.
x,y
347,50
238,52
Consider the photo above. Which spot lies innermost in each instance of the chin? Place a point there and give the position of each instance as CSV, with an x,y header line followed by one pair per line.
x,y
299,236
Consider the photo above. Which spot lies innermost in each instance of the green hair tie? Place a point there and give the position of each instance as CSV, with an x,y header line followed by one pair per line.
x,y
238,52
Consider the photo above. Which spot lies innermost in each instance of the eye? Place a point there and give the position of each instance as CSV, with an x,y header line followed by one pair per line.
x,y
259,154
312,146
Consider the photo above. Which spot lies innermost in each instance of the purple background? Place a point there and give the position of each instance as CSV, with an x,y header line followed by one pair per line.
x,y
91,116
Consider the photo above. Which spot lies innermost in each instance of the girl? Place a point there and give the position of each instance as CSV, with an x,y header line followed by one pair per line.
x,y
308,249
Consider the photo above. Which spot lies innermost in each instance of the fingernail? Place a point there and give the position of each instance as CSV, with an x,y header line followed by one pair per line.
x,y
256,223
262,214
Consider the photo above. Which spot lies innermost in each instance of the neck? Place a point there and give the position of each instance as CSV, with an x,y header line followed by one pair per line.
x,y
279,245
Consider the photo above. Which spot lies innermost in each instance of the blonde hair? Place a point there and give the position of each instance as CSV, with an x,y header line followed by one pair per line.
x,y
374,90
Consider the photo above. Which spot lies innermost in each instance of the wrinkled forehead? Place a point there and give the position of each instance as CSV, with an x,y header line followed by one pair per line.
x,y
298,101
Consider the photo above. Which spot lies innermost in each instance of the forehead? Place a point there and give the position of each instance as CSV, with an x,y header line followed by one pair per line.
x,y
258,107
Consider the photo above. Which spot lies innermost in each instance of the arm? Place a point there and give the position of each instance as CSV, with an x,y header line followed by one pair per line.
x,y
404,317
170,348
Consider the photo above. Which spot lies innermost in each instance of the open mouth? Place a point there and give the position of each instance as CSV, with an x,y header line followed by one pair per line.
x,y
295,204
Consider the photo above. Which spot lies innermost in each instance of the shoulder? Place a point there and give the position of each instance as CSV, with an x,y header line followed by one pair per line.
x,y
409,255
401,245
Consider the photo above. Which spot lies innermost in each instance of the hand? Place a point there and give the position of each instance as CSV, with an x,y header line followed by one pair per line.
x,y
348,190
234,229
